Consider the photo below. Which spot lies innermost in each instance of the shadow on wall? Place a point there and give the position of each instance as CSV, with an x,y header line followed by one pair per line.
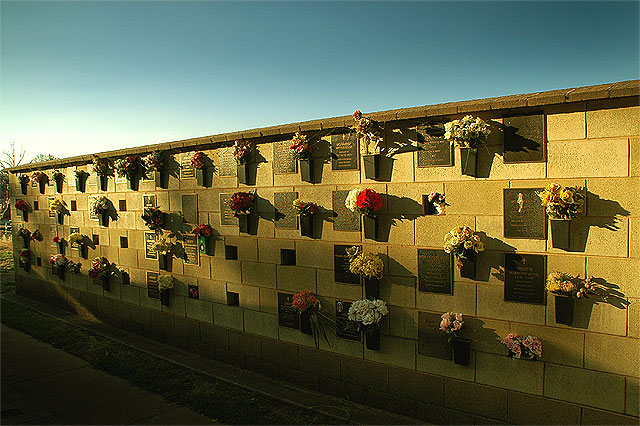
x,y
411,210
606,293
475,329
487,153
493,258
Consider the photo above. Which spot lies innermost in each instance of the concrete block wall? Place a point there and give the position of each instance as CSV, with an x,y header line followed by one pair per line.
x,y
586,375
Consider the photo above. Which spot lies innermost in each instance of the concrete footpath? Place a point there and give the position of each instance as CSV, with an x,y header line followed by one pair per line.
x,y
45,385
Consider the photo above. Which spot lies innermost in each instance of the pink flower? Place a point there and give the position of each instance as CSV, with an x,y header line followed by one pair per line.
x,y
459,317
445,316
457,325
444,324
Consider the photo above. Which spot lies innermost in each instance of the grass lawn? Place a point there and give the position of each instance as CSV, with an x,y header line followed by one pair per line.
x,y
216,399
6,266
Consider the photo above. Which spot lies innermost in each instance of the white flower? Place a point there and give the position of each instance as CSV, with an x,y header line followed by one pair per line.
x,y
352,199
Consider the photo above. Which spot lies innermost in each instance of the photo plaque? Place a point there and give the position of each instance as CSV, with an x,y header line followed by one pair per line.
x,y
433,149
344,219
284,160
287,315
342,274
524,278
285,213
149,240
342,319
191,251
523,214
435,271
149,200
186,171
345,151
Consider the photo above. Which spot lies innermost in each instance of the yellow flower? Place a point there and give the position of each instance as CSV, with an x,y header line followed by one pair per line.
x,y
553,187
567,196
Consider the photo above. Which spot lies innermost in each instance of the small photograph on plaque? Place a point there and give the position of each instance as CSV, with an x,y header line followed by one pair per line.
x,y
285,213
226,214
73,229
435,271
524,215
287,315
149,200
228,165
433,149
342,320
343,218
186,171
345,152
149,241
191,251
342,273
152,285
524,278
284,160
432,341
524,139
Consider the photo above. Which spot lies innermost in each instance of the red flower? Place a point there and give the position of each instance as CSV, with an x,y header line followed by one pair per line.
x,y
369,201
22,205
241,202
304,300
56,239
203,231
197,160
357,115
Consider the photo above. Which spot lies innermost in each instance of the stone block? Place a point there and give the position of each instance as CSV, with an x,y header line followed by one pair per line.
x,y
398,291
294,336
634,148
162,321
280,353
527,409
261,323
313,254
390,402
259,274
296,278
605,353
632,406
396,351
634,318
269,251
228,316
471,198
245,344
491,304
477,399
249,296
187,328
269,300
598,417
323,363
445,367
363,373
613,197
247,247
634,237
226,270
493,227
412,385
326,286
442,416
462,300
506,373
213,291
214,335
613,122
200,310
430,230
497,169
590,158
566,126
591,388
622,274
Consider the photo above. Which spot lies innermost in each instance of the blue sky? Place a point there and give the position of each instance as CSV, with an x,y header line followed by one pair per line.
x,y
82,77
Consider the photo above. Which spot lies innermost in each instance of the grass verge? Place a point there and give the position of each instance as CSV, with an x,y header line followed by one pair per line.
x,y
216,399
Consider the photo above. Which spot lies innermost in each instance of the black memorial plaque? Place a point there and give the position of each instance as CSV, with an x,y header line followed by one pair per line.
x,y
433,149
343,218
345,152
432,341
190,208
149,241
284,160
149,200
228,165
524,139
342,320
186,171
524,215
287,315
190,243
152,285
73,229
226,214
92,215
435,271
342,274
524,278
285,213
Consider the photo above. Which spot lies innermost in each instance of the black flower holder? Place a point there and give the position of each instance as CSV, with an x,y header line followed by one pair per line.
x,y
372,133
81,180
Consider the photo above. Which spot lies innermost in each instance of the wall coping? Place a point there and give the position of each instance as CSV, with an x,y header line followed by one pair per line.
x,y
629,88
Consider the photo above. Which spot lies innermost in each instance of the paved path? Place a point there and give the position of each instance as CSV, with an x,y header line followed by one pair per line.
x,y
45,385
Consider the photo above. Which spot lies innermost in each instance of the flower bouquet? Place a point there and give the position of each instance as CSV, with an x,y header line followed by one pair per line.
x,y
42,179
433,204
302,151
26,236
467,133
58,177
372,134
242,204
198,163
24,259
81,180
131,167
194,293
37,235
100,268
368,202
24,182
57,206
103,168
521,347
74,267
155,162
59,242
204,233
464,244
241,153
563,205
163,248
451,323
153,218
100,207
76,239
567,289
312,318
24,208
369,266
367,315
58,263
165,284
305,211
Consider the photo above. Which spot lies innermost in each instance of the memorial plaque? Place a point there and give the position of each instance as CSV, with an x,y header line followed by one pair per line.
x,y
342,319
228,165
120,179
149,241
51,213
73,229
190,208
226,214
152,285
524,215
524,278
284,160
149,201
433,149
524,139
285,213
186,171
435,271
432,341
92,215
343,218
287,315
345,152
342,274
191,250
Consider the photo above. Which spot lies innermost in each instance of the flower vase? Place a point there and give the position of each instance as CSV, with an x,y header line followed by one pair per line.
x,y
25,215
370,225
306,169
468,264
371,288
242,172
84,251
104,281
104,219
60,247
306,225
163,261
42,185
560,233
132,181
103,181
371,166
160,178
26,241
60,218
244,223
200,176
26,266
461,351
469,158
204,243
80,184
372,339
61,273
59,185
305,322
565,307
164,297
23,187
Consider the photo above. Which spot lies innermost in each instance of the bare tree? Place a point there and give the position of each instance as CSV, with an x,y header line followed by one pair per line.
x,y
10,157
